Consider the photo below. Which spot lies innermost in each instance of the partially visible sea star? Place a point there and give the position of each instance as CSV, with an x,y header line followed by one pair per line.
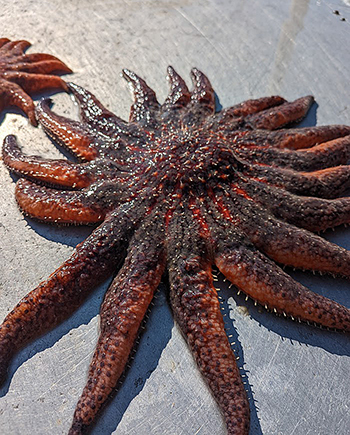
x,y
22,75
177,189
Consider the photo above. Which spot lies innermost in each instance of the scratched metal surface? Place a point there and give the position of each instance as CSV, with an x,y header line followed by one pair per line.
x,y
298,376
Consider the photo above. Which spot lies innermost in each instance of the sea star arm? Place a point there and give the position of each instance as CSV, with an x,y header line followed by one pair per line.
x,y
14,48
197,310
295,138
62,293
83,140
283,242
202,102
58,206
178,98
202,95
44,65
324,183
13,58
276,117
73,135
313,214
249,107
61,172
179,94
262,280
12,94
31,83
296,247
323,155
93,113
3,41
122,312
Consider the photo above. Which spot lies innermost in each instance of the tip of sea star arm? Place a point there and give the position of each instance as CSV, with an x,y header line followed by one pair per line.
x,y
203,92
15,48
3,41
179,94
192,292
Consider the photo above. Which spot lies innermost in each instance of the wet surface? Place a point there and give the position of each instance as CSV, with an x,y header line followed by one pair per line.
x,y
298,376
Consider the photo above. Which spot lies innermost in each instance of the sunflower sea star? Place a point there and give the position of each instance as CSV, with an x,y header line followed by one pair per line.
x,y
23,74
177,189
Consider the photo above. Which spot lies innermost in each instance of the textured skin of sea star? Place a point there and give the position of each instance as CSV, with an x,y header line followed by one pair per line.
x,y
175,190
22,75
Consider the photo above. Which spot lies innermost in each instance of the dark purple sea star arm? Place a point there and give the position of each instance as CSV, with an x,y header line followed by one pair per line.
x,y
145,106
324,183
179,95
197,310
314,214
323,155
262,280
122,312
92,112
62,293
292,246
202,94
295,138
62,173
202,102
178,98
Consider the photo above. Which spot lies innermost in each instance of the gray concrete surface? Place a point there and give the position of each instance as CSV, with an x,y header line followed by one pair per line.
x,y
298,376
